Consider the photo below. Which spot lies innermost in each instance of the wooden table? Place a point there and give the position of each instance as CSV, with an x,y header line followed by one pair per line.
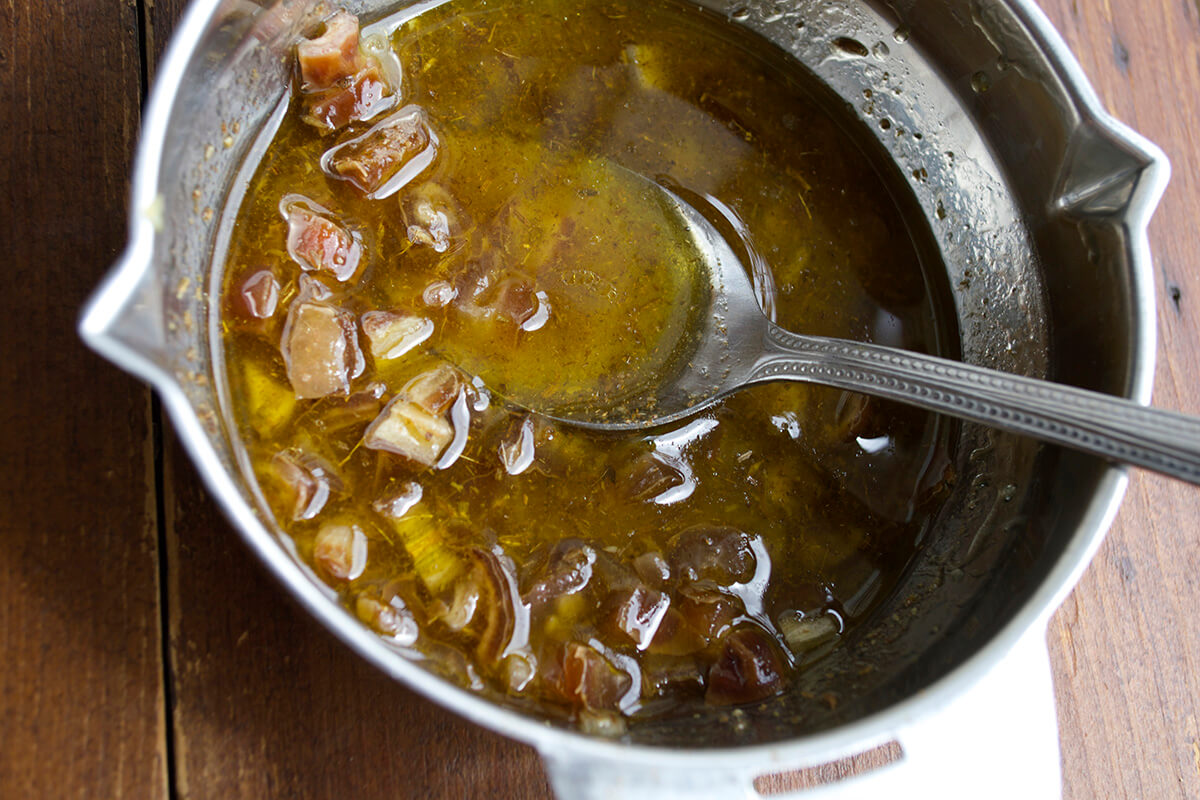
x,y
143,653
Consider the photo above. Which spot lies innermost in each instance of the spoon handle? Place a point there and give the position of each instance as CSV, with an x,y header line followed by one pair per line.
x,y
1095,423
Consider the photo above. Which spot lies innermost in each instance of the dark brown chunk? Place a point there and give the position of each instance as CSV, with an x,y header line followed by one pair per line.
x,y
648,477
363,96
589,681
748,669
720,554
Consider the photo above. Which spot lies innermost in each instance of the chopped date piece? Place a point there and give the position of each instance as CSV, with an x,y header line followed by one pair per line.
x,y
307,481
517,449
357,409
320,349
407,429
355,98
589,681
432,217
260,294
672,673
748,669
649,477
613,574
392,619
708,611
720,554
501,620
392,335
340,551
399,503
638,614
332,56
435,390
653,569
316,242
381,161
568,572
675,636
515,300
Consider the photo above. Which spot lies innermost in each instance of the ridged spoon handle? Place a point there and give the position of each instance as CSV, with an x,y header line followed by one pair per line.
x,y
1091,422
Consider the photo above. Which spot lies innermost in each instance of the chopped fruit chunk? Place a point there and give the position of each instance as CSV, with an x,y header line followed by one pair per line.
x,y
721,554
332,56
517,449
385,158
363,96
340,551
260,294
306,481
316,242
639,613
568,572
432,216
320,348
590,681
407,429
436,389
392,619
392,335
748,669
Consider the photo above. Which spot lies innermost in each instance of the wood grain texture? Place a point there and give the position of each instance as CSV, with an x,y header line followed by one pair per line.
x,y
1126,645
81,690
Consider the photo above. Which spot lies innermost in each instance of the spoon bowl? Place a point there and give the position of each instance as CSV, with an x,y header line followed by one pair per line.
x,y
739,346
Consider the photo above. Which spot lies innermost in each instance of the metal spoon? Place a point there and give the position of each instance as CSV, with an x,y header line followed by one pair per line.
x,y
738,346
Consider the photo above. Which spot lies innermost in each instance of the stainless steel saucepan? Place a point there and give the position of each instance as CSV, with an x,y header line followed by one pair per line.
x,y
1039,203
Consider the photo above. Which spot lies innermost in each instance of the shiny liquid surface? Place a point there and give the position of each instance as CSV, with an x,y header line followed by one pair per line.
x,y
594,578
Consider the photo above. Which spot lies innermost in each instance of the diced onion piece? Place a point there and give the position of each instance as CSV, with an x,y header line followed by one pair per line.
x,y
392,335
803,633
435,563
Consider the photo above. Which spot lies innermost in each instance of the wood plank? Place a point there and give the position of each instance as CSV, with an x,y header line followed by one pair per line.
x,y
81,693
1126,645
